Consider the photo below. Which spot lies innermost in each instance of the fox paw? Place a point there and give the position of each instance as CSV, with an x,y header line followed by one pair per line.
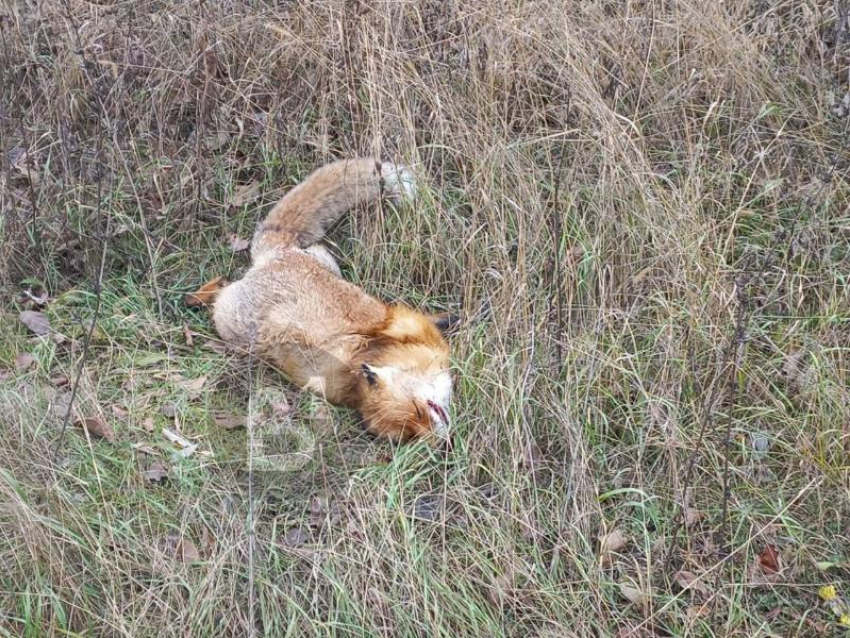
x,y
399,182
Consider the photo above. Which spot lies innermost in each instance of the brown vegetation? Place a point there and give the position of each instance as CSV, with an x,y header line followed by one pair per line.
x,y
640,207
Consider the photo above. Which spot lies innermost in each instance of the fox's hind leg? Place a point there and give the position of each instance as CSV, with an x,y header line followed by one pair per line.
x,y
206,294
324,257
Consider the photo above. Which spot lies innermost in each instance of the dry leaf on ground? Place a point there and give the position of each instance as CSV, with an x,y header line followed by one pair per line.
x,y
237,244
692,516
633,594
144,448
148,424
219,347
60,381
214,141
97,427
230,421
187,552
613,542
766,568
156,472
295,537
689,580
245,194
770,560
193,387
23,361
35,321
60,405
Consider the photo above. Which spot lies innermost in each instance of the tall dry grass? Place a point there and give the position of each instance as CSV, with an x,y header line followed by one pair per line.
x,y
640,208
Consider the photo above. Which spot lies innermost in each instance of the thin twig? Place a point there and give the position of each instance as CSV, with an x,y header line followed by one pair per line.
x,y
103,239
98,288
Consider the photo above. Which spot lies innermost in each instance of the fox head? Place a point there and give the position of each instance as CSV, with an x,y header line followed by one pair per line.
x,y
404,384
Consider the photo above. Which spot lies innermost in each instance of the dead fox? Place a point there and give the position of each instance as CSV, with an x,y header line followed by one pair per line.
x,y
293,309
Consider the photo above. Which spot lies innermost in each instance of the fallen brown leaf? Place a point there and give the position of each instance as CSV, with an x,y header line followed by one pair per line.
x,y
295,537
97,427
119,411
5,374
187,552
766,567
215,141
230,421
689,580
237,244
697,611
144,448
770,560
613,542
692,516
35,321
23,361
773,613
169,410
21,159
187,335
193,387
148,424
633,594
60,405
60,381
245,194
156,472
219,347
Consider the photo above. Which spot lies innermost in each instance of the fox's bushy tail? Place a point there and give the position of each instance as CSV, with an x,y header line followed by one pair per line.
x,y
306,212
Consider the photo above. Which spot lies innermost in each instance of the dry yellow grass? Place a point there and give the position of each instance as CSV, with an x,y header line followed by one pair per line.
x,y
640,208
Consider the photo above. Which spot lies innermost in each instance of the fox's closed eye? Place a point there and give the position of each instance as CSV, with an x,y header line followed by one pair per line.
x,y
371,377
444,321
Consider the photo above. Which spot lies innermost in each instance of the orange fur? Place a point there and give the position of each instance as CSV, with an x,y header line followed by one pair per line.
x,y
206,294
292,308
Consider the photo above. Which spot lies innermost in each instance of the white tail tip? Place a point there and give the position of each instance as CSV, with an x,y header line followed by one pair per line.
x,y
398,182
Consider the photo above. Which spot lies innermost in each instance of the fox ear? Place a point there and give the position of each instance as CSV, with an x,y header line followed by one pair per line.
x,y
444,321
